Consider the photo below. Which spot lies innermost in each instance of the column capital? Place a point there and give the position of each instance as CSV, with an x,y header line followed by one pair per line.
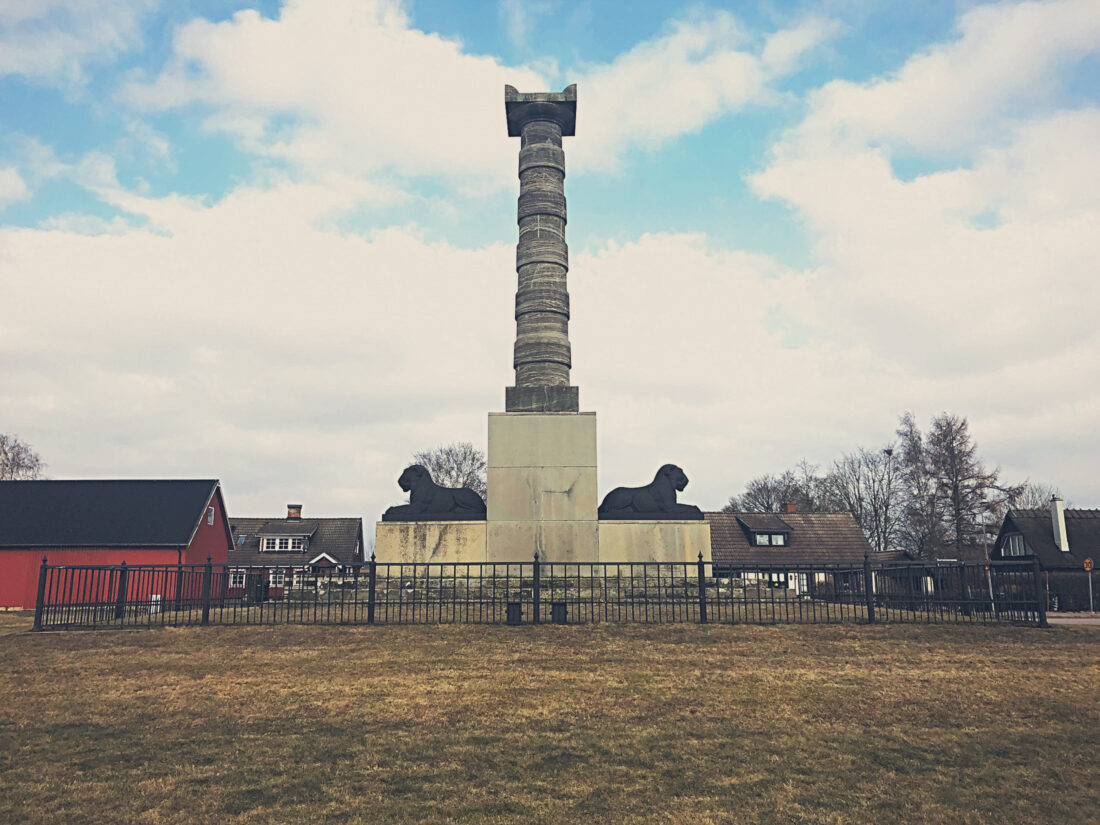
x,y
523,107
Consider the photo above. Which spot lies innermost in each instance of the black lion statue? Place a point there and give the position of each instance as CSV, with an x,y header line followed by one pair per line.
x,y
430,502
657,500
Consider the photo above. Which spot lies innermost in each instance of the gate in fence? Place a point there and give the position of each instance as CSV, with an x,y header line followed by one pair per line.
x,y
538,592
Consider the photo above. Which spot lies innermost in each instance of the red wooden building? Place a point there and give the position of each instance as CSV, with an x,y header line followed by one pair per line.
x,y
106,522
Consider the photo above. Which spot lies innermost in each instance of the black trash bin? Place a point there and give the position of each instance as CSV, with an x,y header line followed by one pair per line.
x,y
514,613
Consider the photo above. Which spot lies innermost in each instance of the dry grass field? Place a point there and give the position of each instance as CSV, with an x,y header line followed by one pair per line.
x,y
674,724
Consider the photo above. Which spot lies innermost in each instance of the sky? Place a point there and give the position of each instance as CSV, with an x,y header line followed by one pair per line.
x,y
273,243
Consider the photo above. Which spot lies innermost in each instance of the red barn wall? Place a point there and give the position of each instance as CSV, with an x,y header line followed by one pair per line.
x,y
210,539
19,568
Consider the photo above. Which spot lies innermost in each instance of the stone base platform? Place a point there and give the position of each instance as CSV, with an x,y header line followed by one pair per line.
x,y
653,540
429,541
461,542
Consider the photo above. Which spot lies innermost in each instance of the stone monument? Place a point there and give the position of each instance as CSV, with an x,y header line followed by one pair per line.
x,y
542,449
542,491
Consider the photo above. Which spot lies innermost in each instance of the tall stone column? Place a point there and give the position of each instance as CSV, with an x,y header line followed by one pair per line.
x,y
542,449
542,355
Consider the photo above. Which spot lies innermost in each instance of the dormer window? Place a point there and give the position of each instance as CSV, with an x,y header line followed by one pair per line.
x,y
771,539
284,544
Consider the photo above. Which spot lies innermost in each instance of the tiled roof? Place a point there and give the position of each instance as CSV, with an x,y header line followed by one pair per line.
x,y
814,538
340,538
122,513
1037,527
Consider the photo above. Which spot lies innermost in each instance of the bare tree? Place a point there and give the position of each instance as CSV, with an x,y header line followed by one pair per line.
x,y
969,492
950,496
866,484
765,494
920,532
1035,494
803,487
18,462
459,464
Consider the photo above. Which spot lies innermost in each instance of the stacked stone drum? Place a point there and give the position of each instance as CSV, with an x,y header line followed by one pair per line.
x,y
542,356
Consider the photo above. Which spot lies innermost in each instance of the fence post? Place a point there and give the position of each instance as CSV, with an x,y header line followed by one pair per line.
x,y
120,596
179,587
868,589
1040,596
371,579
40,599
702,591
207,575
964,589
537,594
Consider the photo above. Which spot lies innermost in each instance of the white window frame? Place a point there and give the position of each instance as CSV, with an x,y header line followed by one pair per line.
x,y
1014,545
269,544
209,515
277,578
298,544
238,578
284,543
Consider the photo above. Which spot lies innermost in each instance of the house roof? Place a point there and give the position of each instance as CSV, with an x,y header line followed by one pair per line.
x,y
814,538
1082,530
121,513
338,538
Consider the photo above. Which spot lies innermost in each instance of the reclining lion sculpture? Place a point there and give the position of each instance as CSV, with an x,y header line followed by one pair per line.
x,y
656,500
430,502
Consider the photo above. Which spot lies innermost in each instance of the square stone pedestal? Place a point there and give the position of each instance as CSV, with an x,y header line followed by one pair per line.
x,y
653,540
429,541
542,487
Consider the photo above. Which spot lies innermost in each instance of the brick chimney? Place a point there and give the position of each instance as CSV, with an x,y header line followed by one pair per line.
x,y
788,507
1058,522
294,512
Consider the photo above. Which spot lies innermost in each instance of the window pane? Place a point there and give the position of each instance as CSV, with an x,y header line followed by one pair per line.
x,y
777,538
761,538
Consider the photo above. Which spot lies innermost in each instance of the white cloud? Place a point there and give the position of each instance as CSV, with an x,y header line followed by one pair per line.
x,y
363,90
1007,58
353,86
53,41
784,50
12,186
519,18
941,261
701,70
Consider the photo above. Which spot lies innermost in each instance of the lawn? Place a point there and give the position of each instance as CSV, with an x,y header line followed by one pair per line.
x,y
673,724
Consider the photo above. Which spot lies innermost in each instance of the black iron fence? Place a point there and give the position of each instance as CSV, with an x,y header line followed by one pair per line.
x,y
538,592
